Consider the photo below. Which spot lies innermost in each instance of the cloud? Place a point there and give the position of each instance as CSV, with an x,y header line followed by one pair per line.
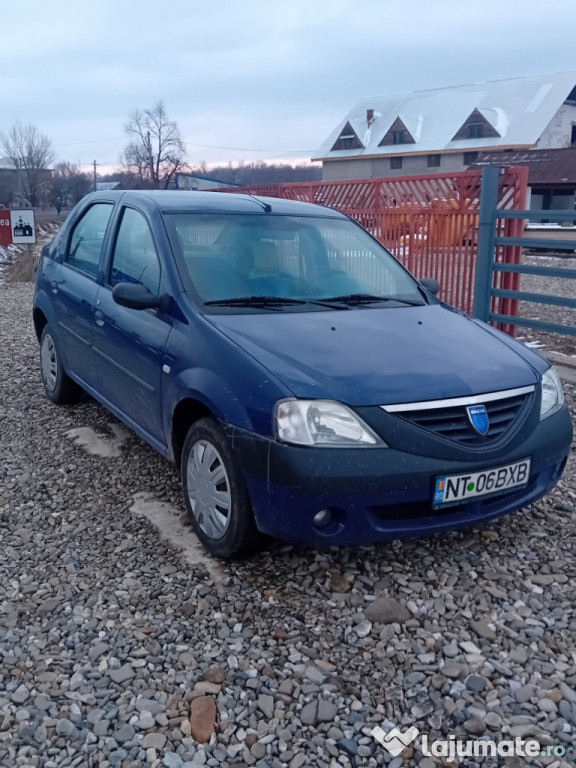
x,y
254,73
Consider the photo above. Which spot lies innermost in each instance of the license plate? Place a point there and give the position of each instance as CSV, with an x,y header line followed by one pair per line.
x,y
454,488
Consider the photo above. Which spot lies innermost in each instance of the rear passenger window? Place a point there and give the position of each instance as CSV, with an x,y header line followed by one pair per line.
x,y
135,259
85,247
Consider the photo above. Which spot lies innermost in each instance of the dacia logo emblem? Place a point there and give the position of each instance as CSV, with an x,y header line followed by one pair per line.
x,y
479,419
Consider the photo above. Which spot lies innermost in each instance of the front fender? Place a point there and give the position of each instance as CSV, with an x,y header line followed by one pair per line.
x,y
198,384
207,366
231,400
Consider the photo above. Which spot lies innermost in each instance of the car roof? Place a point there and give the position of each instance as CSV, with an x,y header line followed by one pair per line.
x,y
211,202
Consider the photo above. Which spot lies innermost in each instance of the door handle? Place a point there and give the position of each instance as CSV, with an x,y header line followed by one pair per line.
x,y
54,286
99,317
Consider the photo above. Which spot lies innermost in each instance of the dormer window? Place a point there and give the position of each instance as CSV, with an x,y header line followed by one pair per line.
x,y
347,142
347,139
475,130
397,134
476,127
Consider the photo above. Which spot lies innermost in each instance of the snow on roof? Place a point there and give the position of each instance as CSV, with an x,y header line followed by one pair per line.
x,y
519,109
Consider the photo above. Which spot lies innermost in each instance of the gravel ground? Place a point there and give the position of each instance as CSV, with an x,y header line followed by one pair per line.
x,y
115,647
552,286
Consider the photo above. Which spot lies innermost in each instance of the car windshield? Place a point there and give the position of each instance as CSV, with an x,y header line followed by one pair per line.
x,y
256,261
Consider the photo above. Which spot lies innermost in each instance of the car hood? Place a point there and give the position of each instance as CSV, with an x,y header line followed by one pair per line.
x,y
381,356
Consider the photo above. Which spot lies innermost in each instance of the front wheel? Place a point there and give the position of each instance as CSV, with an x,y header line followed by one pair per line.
x,y
58,386
215,493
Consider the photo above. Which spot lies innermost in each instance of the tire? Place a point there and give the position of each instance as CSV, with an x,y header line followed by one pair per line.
x,y
209,465
58,386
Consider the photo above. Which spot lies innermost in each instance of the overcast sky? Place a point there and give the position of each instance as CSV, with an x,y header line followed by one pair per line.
x,y
268,75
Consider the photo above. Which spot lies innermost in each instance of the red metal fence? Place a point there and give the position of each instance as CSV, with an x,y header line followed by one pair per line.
x,y
430,223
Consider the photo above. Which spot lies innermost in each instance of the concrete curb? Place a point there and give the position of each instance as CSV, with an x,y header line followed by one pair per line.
x,y
564,364
567,361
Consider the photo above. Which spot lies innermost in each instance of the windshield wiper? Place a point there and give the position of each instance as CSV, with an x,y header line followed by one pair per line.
x,y
352,299
269,301
254,301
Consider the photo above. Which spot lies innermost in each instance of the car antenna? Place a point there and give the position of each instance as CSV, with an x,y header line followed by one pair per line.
x,y
266,206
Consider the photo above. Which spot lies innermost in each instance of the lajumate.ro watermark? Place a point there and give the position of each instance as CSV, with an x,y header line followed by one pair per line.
x,y
396,741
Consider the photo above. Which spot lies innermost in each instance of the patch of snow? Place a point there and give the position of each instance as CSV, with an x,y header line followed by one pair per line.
x,y
97,445
533,344
502,121
418,130
166,519
10,253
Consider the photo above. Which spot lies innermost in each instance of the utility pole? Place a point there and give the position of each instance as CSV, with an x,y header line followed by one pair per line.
x,y
94,164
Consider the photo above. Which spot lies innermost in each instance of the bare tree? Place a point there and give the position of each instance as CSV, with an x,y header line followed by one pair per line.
x,y
69,184
156,150
31,152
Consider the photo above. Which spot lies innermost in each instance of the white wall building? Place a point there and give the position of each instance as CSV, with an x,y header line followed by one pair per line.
x,y
444,130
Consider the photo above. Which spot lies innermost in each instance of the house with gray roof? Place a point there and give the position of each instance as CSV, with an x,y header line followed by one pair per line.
x,y
445,129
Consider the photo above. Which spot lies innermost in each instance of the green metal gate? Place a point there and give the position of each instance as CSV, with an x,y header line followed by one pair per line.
x,y
490,267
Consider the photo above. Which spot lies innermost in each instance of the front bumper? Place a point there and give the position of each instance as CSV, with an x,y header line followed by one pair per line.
x,y
378,494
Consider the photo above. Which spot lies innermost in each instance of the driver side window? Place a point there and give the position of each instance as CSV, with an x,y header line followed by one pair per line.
x,y
135,259
85,246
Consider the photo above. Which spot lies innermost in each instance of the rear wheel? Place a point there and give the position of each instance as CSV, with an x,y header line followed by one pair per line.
x,y
58,386
215,493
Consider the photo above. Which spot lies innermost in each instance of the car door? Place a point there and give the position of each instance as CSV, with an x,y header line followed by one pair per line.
x,y
129,344
73,283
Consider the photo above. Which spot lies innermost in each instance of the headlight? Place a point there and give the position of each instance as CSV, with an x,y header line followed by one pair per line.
x,y
321,422
552,393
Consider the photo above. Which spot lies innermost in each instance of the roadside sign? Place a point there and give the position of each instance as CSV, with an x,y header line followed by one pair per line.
x,y
17,226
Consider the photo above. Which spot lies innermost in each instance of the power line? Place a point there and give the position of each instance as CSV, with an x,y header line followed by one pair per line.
x,y
248,149
93,141
195,144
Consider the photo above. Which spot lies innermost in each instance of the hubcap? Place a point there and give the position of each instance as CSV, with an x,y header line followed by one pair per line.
x,y
208,489
49,362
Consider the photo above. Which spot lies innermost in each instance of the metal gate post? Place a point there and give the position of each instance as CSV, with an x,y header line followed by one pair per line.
x,y
486,241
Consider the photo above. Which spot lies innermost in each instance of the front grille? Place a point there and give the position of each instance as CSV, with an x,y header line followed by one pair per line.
x,y
452,423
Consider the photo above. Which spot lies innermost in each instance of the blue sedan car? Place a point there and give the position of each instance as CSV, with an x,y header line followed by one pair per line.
x,y
306,384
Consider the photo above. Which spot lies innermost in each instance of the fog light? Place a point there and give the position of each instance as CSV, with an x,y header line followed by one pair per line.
x,y
322,518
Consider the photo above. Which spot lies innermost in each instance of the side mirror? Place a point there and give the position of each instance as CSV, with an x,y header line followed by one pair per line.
x,y
135,296
430,284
